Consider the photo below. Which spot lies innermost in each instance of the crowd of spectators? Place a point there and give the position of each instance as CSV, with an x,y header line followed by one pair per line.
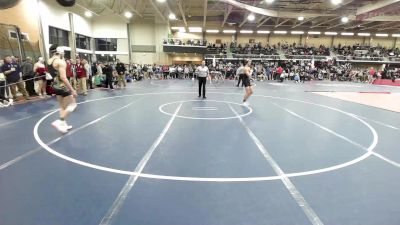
x,y
292,50
310,70
365,52
31,79
191,42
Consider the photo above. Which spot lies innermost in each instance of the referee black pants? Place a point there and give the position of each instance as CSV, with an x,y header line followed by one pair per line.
x,y
109,81
202,82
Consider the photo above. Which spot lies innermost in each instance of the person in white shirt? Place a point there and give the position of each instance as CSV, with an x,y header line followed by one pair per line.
x,y
240,74
172,72
186,71
180,72
202,73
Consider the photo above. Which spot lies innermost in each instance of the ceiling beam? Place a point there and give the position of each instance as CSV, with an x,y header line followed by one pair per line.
x,y
388,28
278,25
324,22
182,13
272,13
359,25
158,10
247,14
303,22
205,13
266,20
338,24
378,25
227,12
132,9
86,9
342,4
110,9
375,6
393,18
244,20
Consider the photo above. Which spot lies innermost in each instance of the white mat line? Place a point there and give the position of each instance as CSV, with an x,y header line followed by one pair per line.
x,y
339,135
204,108
297,196
31,152
119,201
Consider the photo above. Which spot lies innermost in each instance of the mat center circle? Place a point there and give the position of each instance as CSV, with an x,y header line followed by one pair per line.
x,y
206,109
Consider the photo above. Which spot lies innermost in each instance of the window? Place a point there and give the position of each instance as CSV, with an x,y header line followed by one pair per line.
x,y
106,44
86,56
24,37
13,34
58,36
82,42
106,58
67,54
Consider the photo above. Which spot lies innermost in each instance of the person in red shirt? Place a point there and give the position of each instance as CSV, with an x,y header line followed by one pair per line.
x,y
82,77
40,70
279,71
70,73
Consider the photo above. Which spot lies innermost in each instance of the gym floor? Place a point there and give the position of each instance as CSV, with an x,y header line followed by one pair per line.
x,y
154,153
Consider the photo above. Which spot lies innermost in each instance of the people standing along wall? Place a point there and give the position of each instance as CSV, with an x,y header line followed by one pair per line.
x,y
120,68
12,72
82,77
40,73
28,76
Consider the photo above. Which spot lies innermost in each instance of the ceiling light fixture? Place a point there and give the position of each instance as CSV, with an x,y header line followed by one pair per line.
x,y
161,1
246,31
229,31
314,32
128,14
345,19
347,34
280,32
297,32
382,35
300,18
212,31
364,34
251,17
336,2
172,16
269,1
330,33
195,29
263,32
88,14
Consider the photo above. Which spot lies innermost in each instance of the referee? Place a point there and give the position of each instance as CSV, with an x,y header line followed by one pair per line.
x,y
203,73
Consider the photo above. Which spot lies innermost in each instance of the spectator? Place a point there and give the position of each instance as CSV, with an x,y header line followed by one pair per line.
x,y
12,72
4,102
82,77
108,71
40,71
71,74
120,68
28,75
89,75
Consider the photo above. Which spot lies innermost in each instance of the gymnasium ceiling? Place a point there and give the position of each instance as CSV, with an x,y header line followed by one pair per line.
x,y
364,15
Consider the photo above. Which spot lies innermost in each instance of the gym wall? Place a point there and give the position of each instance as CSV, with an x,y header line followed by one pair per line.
x,y
23,15
149,35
